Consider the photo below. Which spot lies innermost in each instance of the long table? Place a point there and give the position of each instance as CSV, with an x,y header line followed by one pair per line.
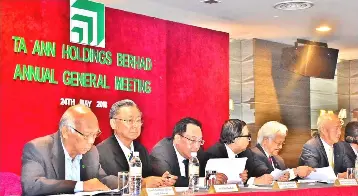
x,y
316,190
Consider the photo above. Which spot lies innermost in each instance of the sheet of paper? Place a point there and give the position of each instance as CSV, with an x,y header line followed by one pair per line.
x,y
322,174
232,168
96,192
278,173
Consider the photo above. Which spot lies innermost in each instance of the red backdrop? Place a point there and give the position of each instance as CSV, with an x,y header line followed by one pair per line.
x,y
189,75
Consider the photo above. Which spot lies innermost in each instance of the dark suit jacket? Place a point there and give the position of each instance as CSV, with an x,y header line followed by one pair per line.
x,y
350,154
314,155
113,160
164,158
43,168
218,150
261,162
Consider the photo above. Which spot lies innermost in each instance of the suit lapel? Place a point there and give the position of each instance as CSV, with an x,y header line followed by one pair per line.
x,y
337,159
119,156
322,150
83,170
265,158
58,157
173,157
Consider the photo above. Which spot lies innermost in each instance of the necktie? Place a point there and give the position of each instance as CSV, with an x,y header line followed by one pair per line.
x,y
237,156
186,164
331,157
271,161
130,156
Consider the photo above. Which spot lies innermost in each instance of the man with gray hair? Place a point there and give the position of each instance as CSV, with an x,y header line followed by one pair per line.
x,y
323,149
66,161
116,151
270,139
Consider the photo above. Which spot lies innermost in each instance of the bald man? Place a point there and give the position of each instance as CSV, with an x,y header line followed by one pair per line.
x,y
66,161
323,149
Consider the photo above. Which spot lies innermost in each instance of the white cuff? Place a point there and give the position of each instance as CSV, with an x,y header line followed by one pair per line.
x,y
79,186
292,174
251,181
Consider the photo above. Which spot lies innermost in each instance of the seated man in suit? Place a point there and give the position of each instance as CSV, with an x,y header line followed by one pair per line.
x,y
323,150
66,161
351,145
234,139
115,152
270,139
172,154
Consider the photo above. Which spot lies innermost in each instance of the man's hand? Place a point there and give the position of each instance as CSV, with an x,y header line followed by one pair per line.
x,y
342,175
285,177
169,179
94,185
244,176
153,182
264,179
303,171
221,178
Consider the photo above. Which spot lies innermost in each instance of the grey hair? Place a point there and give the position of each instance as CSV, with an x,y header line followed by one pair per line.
x,y
66,120
116,106
320,121
270,129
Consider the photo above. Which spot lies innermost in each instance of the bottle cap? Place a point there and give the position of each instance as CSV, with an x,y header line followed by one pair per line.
x,y
135,153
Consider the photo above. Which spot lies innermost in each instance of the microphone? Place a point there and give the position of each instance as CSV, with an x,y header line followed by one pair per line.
x,y
351,139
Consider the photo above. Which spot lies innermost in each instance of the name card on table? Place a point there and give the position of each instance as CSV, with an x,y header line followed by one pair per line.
x,y
225,188
160,191
285,185
346,182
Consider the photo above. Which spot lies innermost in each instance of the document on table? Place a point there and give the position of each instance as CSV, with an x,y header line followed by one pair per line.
x,y
114,191
231,167
278,173
322,174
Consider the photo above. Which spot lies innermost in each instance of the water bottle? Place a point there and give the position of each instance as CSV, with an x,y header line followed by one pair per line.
x,y
356,169
135,175
193,173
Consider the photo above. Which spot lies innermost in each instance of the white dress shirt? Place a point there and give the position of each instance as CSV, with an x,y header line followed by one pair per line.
x,y
230,153
127,152
73,169
329,152
180,161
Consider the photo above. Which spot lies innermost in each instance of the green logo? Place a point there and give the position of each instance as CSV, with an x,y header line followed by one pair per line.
x,y
87,24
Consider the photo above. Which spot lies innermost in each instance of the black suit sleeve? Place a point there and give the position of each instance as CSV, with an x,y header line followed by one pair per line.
x,y
309,157
160,165
260,166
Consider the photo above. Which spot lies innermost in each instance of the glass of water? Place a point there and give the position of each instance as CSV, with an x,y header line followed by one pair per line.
x,y
210,178
123,177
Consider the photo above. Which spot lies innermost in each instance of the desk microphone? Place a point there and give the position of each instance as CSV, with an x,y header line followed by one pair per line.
x,y
351,139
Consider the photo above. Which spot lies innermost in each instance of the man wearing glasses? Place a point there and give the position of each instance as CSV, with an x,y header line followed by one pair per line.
x,y
270,140
66,161
173,154
116,151
234,139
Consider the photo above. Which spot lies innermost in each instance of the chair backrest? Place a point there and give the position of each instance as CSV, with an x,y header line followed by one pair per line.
x,y
10,184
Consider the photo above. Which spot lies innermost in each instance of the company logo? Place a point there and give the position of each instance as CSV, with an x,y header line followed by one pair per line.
x,y
87,24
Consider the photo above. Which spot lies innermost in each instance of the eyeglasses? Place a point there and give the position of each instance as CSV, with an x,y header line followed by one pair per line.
x,y
86,137
248,136
131,122
278,144
201,142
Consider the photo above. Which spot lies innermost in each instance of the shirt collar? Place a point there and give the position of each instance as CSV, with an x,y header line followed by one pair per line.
x,y
325,145
67,156
180,158
124,148
230,153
